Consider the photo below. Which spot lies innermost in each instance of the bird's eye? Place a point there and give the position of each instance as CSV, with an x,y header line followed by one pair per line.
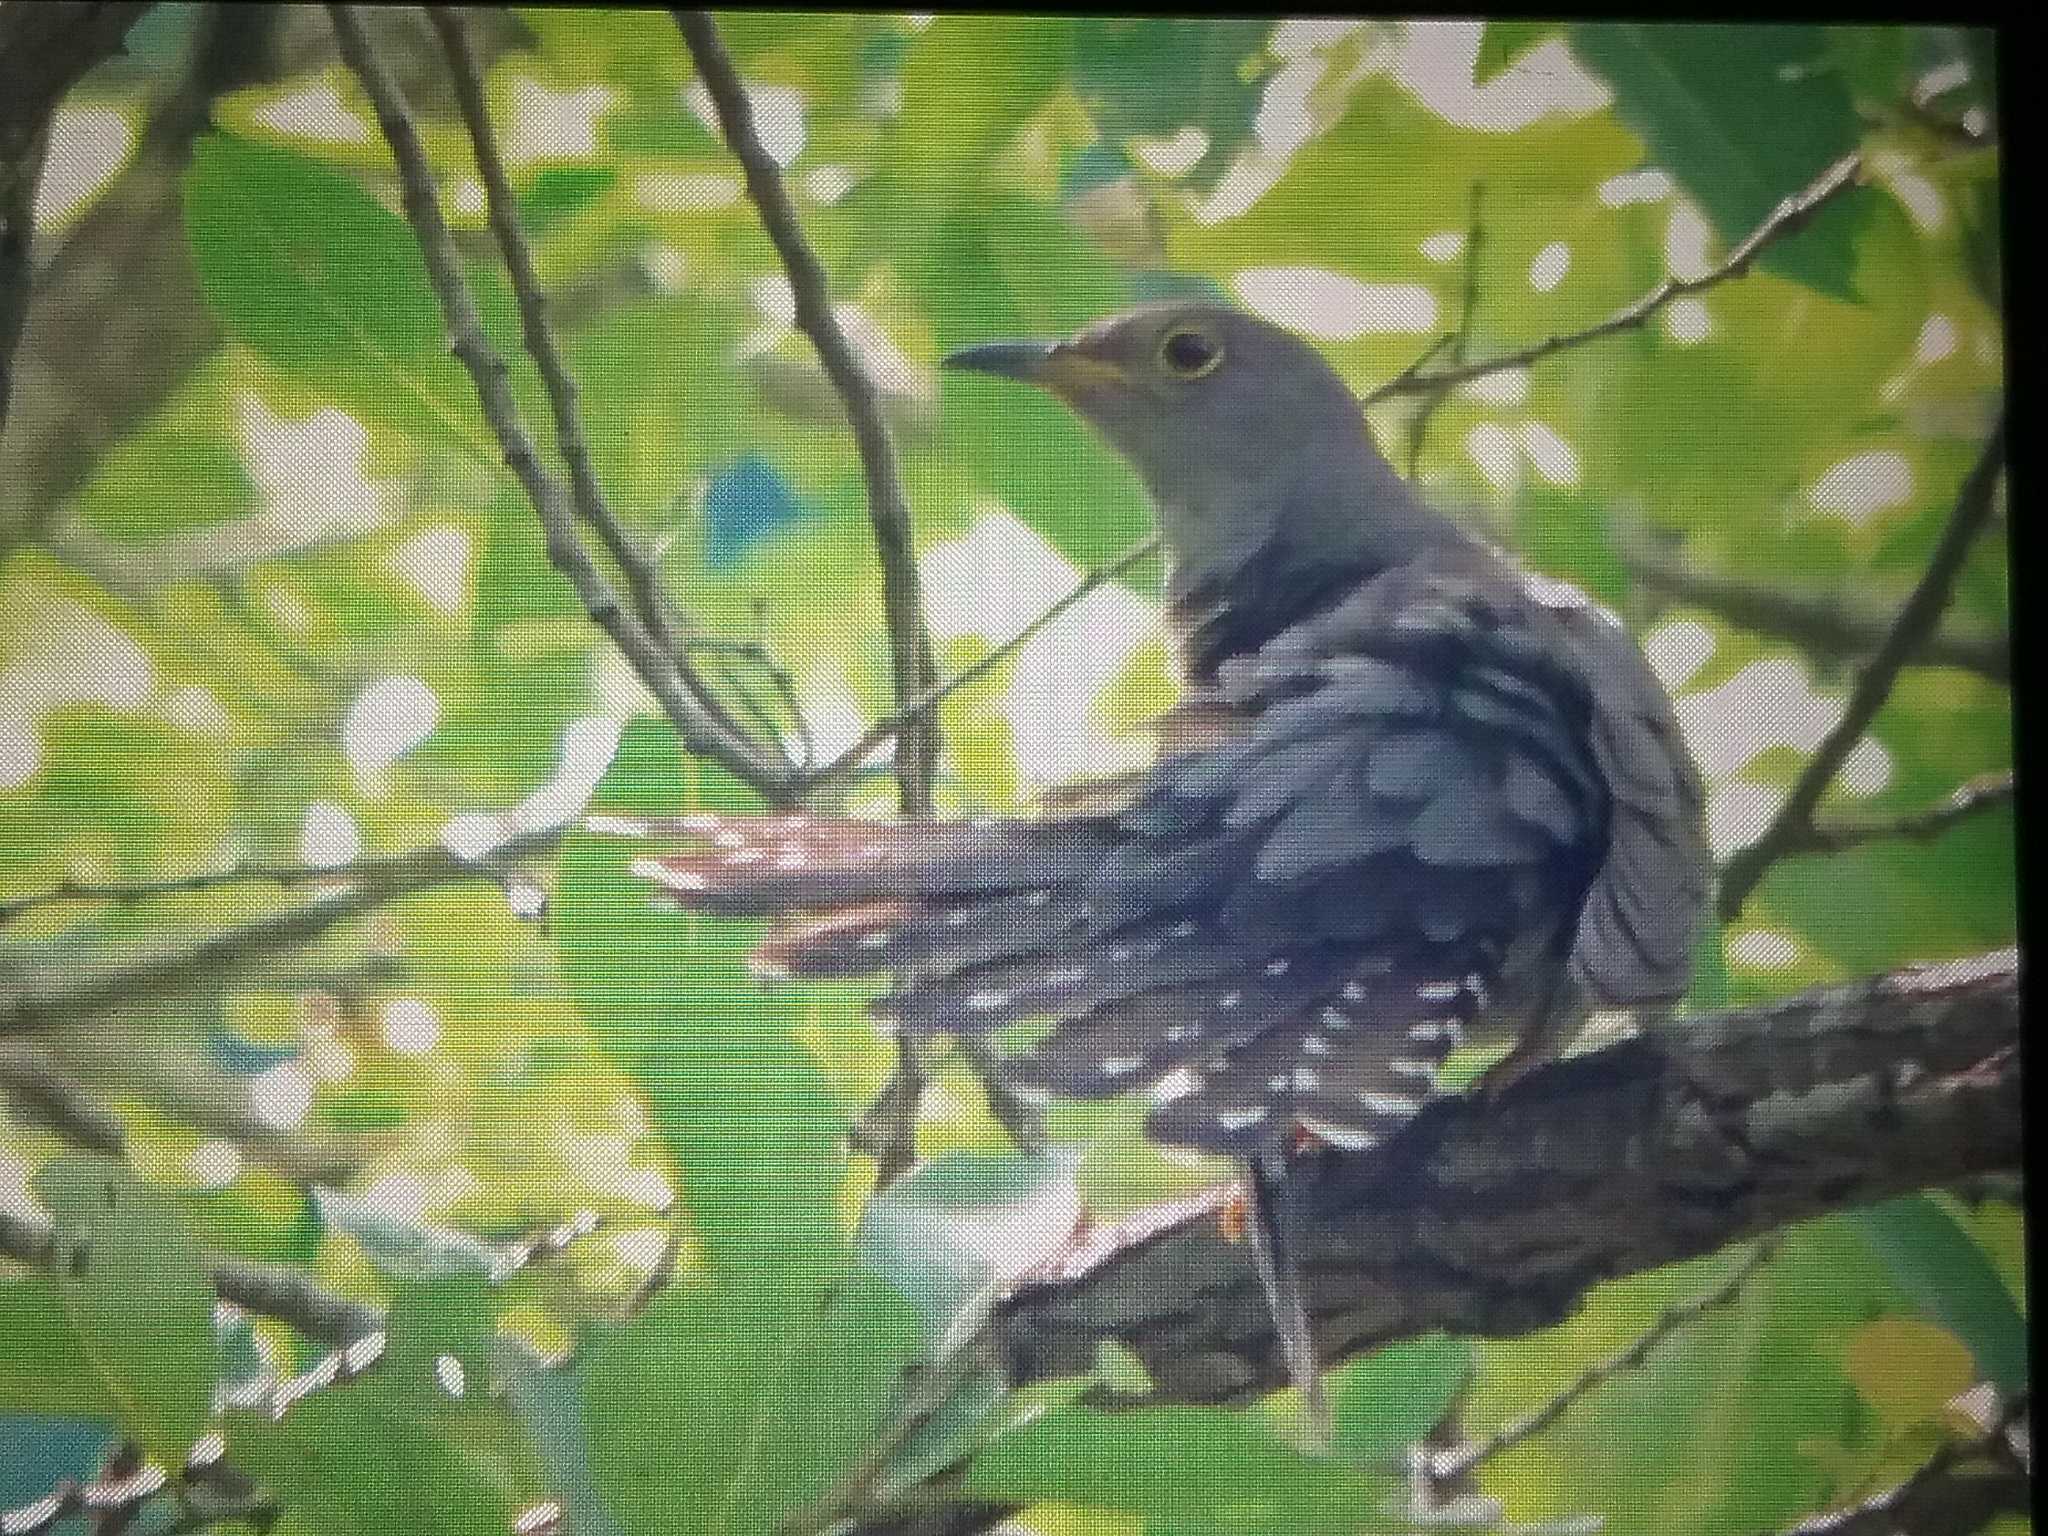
x,y
1190,354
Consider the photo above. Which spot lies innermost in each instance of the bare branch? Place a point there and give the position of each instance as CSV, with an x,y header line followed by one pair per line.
x,y
700,729
1829,627
1972,799
1788,218
642,582
271,1290
180,1081
1456,340
128,893
44,51
45,1002
925,702
48,1095
1916,620
910,646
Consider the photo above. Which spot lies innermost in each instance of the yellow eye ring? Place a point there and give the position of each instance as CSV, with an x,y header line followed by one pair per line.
x,y
1189,354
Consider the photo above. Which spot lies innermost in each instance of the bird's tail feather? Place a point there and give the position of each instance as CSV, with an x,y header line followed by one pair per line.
x,y
857,896
1279,1234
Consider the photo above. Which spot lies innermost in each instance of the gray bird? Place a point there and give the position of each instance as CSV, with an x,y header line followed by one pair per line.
x,y
1411,792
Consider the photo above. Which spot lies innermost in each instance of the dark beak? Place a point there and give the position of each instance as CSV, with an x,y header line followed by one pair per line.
x,y
1024,360
1059,366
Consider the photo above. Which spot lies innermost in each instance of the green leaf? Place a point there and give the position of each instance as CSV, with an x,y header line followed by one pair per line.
x,y
738,1100
1743,117
1503,42
1152,76
1872,61
300,262
1390,1399
739,1402
449,1317
364,1461
44,1364
138,1291
1941,1267
949,1234
1207,1464
969,82
549,1406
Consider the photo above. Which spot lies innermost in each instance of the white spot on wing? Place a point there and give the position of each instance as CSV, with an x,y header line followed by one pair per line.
x,y
1349,1137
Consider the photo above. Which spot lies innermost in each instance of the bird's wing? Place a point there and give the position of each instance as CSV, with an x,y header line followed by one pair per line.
x,y
1292,923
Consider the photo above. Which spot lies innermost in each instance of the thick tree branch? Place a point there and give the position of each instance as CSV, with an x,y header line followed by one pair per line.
x,y
1496,1219
44,51
1832,628
700,729
48,1096
910,646
1789,217
1916,620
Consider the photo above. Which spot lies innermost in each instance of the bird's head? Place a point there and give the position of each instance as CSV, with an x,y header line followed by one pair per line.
x,y
1226,419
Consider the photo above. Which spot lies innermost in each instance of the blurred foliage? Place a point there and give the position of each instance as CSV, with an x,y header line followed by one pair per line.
x,y
302,611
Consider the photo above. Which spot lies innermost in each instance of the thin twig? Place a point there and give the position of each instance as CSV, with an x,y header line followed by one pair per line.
x,y
278,1291
1828,626
1023,1120
1449,1465
1883,1514
502,209
700,729
128,893
910,646
1916,620
1789,217
1972,799
77,994
887,1129
48,1095
925,702
642,584
756,653
1458,339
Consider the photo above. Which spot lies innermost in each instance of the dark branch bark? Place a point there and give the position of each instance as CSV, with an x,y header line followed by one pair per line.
x,y
69,995
44,51
1496,1219
910,644
1833,628
701,730
1916,621
1791,215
